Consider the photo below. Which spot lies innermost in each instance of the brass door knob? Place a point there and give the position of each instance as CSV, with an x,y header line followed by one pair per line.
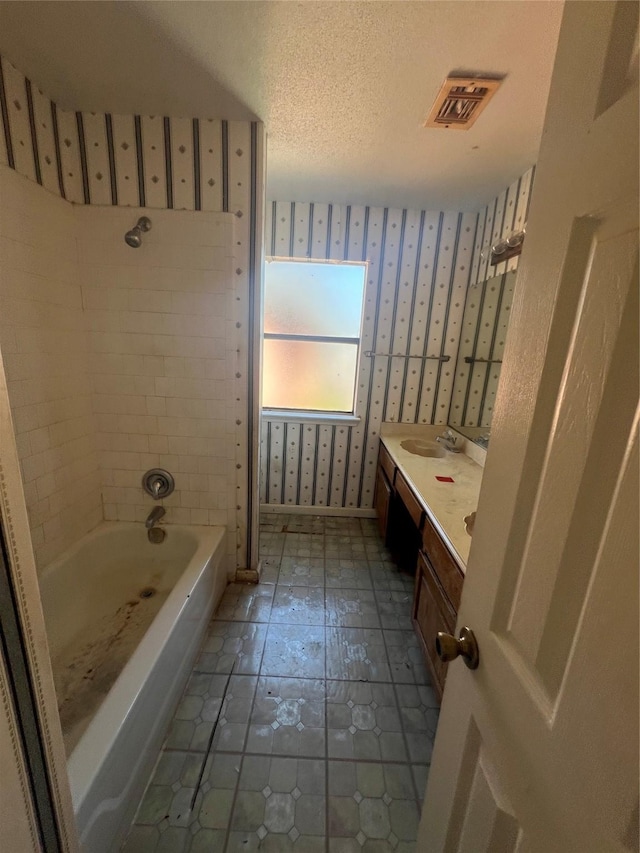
x,y
448,648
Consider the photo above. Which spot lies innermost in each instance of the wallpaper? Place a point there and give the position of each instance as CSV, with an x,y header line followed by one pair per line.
x,y
488,304
422,266
418,271
154,162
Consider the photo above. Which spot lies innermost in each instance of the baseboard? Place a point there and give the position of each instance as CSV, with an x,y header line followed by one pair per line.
x,y
296,509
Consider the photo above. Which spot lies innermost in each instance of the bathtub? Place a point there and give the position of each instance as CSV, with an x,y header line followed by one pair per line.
x,y
125,619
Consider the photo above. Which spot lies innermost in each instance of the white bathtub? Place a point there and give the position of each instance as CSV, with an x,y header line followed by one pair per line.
x,y
121,659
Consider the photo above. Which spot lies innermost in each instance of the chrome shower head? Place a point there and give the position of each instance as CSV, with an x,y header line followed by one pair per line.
x,y
133,238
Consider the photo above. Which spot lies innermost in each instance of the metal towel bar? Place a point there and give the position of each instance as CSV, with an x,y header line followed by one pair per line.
x,y
370,354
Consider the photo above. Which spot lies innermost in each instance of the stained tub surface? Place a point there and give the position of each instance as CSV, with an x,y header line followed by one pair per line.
x,y
124,620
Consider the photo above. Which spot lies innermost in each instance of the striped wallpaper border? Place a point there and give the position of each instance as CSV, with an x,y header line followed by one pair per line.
x,y
132,161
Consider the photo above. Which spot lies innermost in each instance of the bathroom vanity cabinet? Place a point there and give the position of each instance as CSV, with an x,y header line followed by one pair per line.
x,y
437,591
413,538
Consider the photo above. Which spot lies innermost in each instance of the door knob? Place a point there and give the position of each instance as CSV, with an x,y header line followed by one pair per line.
x,y
448,648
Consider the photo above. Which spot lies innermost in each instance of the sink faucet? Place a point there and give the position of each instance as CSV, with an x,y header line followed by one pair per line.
x,y
154,516
449,441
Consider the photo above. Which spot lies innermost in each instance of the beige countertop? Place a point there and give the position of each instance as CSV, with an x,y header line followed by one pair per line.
x,y
446,504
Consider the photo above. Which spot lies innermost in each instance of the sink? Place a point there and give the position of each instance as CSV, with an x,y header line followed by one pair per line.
x,y
421,447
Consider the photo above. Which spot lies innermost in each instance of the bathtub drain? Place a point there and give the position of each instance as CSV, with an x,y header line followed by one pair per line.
x,y
147,592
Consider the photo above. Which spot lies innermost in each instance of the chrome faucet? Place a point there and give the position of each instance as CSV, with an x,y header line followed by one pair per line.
x,y
449,441
154,516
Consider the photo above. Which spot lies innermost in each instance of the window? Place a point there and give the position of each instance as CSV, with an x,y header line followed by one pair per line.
x,y
312,320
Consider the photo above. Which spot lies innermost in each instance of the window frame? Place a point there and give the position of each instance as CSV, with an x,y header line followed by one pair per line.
x,y
319,415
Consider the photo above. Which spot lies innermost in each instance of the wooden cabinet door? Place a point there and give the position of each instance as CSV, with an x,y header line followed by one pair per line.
x,y
431,613
381,502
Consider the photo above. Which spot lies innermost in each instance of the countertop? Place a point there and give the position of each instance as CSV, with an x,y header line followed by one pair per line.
x,y
446,504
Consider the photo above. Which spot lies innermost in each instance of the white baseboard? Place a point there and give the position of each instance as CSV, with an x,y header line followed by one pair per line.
x,y
296,509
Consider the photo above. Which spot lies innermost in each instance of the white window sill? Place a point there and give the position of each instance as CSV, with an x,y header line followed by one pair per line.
x,y
310,417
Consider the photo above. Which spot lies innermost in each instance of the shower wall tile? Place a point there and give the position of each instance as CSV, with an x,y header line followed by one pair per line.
x,y
45,350
159,400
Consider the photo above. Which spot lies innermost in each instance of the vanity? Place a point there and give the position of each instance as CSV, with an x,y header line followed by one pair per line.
x,y
424,491
423,494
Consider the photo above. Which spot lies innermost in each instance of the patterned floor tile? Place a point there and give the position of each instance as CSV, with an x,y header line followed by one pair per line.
x,y
386,576
243,602
331,605
303,545
233,644
271,543
420,778
288,717
419,714
344,547
363,722
351,845
372,802
283,797
305,524
352,608
233,723
250,842
298,605
406,657
347,574
370,529
296,651
302,571
200,708
270,569
356,654
394,607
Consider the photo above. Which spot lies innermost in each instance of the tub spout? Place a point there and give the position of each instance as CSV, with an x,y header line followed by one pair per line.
x,y
154,516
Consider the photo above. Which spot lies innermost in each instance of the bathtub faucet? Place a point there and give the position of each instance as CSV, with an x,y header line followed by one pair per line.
x,y
154,516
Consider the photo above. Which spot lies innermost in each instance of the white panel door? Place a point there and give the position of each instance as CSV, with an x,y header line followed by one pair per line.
x,y
537,749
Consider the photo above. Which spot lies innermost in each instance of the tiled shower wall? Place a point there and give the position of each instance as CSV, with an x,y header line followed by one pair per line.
x,y
157,163
421,265
44,347
163,346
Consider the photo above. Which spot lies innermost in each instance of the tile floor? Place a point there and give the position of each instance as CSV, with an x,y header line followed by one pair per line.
x,y
324,738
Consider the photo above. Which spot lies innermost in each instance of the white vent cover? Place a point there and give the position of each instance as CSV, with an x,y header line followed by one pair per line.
x,y
460,101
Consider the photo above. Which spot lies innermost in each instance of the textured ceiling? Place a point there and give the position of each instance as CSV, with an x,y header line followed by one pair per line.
x,y
343,87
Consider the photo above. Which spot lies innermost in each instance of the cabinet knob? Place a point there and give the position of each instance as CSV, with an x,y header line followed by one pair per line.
x,y
466,646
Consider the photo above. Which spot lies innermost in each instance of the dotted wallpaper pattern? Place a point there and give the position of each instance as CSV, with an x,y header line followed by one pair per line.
x,y
489,301
422,265
126,160
153,162
485,324
419,264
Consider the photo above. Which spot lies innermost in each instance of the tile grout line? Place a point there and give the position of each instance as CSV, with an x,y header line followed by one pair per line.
x,y
378,596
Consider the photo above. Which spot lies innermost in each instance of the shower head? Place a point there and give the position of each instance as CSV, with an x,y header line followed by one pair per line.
x,y
133,238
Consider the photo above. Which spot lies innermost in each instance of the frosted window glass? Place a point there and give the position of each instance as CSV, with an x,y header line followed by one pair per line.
x,y
309,375
313,299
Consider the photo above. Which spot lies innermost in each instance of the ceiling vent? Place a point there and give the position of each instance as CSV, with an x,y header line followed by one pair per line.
x,y
460,101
